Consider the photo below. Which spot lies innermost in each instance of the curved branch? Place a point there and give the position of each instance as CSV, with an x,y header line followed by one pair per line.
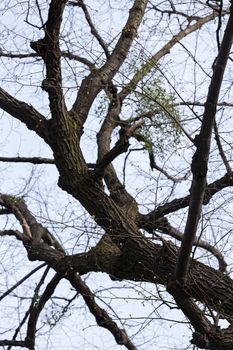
x,y
180,203
25,113
114,185
10,203
33,231
154,165
120,147
101,316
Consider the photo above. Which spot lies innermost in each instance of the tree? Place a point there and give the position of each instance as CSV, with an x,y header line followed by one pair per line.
x,y
118,92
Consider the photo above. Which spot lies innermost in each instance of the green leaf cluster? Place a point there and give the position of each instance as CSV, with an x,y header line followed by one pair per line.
x,y
161,129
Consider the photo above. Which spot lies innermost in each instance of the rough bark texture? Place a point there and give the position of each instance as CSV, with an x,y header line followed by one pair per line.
x,y
124,252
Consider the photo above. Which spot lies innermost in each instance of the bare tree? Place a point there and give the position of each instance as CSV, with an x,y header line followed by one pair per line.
x,y
132,101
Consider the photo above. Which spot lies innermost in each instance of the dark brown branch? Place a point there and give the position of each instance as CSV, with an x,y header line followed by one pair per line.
x,y
33,231
72,56
33,302
20,343
4,211
163,225
154,264
94,31
200,158
180,203
99,79
120,147
154,165
125,41
150,263
25,113
101,316
48,48
38,306
10,54
10,202
114,185
196,317
33,160
14,233
201,104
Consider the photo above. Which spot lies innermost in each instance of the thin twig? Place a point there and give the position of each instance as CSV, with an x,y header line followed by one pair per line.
x,y
220,148
94,31
22,280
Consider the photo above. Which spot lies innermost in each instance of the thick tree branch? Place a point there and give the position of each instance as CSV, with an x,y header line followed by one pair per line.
x,y
33,231
25,113
19,343
162,225
99,79
153,263
48,48
117,190
120,147
14,233
200,158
